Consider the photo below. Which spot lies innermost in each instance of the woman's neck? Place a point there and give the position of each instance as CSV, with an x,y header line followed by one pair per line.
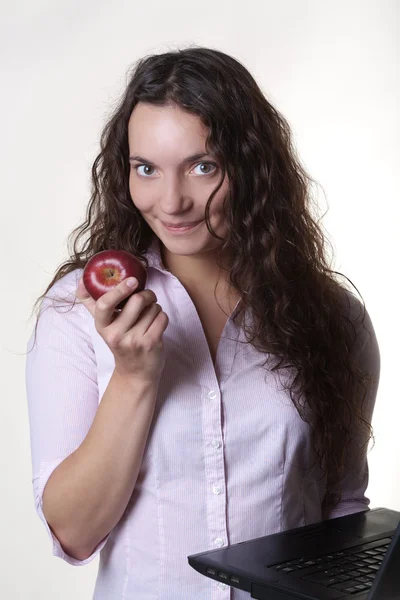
x,y
199,274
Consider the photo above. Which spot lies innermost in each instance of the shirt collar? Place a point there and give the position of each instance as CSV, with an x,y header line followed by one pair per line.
x,y
153,255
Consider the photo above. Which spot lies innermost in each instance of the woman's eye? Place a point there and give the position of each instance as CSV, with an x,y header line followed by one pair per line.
x,y
207,165
206,168
146,168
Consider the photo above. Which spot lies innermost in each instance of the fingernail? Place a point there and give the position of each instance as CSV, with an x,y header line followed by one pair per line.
x,y
131,281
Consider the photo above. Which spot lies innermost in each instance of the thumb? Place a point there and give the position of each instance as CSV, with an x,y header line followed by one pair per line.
x,y
84,297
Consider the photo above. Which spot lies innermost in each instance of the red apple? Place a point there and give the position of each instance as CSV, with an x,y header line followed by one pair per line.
x,y
108,268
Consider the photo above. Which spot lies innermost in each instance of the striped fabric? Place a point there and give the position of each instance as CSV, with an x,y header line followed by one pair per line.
x,y
227,459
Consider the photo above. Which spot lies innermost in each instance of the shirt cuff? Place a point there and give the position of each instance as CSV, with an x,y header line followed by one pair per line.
x,y
346,507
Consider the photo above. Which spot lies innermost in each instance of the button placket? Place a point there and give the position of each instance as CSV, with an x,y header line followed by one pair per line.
x,y
214,469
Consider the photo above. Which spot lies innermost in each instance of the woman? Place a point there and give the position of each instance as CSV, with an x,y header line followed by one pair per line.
x,y
233,397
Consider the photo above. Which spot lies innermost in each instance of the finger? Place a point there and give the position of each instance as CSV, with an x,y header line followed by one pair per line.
x,y
84,297
146,312
158,326
152,313
133,309
106,304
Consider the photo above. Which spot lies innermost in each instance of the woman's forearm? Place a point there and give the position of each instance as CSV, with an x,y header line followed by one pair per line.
x,y
87,493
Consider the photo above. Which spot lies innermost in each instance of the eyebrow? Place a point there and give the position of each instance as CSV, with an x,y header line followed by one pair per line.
x,y
188,159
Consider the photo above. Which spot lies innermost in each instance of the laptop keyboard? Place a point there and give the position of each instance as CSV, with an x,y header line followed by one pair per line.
x,y
350,571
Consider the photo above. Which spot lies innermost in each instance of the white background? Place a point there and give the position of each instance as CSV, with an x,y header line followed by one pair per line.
x,y
332,69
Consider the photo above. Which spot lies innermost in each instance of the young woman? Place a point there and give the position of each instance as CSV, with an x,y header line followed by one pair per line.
x,y
233,397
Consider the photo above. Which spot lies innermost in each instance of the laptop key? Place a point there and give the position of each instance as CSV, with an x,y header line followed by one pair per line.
x,y
343,577
334,572
363,580
344,586
361,587
353,573
333,581
322,579
365,570
371,561
346,560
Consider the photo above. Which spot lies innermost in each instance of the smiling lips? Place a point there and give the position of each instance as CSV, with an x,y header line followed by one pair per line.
x,y
176,225
181,228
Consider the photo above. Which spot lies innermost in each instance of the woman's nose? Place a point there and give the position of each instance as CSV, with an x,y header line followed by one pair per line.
x,y
173,196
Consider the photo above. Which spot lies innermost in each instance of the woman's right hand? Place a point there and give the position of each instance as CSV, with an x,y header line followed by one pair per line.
x,y
135,334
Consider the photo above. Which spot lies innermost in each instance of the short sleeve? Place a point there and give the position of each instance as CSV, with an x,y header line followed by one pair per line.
x,y
367,357
62,390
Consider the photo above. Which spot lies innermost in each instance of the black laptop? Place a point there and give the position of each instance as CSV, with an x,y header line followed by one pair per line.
x,y
351,557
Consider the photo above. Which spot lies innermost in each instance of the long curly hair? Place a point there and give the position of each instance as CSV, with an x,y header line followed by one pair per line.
x,y
279,256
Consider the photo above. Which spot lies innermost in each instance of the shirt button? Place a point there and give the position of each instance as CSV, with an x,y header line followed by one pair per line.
x,y
216,490
215,444
221,585
212,395
219,542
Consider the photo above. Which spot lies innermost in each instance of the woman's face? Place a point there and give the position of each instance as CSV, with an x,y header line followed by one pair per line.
x,y
168,183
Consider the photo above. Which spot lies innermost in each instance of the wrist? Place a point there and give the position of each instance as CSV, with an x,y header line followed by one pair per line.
x,y
132,379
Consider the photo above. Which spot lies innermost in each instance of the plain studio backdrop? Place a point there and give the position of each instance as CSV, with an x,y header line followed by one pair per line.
x,y
331,68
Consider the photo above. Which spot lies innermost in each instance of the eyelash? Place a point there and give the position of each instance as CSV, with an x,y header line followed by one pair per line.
x,y
136,167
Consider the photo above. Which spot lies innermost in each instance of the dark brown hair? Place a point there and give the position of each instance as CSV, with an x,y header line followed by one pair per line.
x,y
300,309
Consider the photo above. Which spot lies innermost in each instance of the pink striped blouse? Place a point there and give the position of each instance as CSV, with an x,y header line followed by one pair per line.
x,y
227,455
